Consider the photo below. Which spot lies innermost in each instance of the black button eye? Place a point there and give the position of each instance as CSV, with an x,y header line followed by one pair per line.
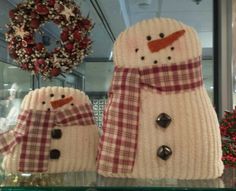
x,y
136,50
43,102
162,35
169,57
142,58
62,96
51,95
72,104
49,109
155,62
172,48
149,37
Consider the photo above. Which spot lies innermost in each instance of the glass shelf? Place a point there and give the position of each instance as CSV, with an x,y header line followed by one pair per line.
x,y
91,182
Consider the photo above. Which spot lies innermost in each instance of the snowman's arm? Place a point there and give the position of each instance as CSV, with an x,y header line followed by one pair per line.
x,y
7,142
9,139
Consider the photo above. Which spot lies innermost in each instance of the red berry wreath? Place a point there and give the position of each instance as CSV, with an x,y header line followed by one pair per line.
x,y
26,20
228,133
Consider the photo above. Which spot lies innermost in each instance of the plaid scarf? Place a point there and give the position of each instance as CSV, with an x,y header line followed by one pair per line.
x,y
33,130
117,147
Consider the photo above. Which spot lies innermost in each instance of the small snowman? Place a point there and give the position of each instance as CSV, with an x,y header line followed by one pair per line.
x,y
159,121
55,133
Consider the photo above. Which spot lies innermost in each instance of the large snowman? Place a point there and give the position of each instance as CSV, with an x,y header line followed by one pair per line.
x,y
55,133
159,121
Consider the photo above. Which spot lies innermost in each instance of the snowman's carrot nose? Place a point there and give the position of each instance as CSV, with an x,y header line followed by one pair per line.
x,y
60,102
158,44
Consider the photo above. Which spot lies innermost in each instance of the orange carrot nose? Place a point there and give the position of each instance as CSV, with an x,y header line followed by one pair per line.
x,y
156,45
60,102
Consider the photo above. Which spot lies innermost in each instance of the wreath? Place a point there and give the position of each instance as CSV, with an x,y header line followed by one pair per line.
x,y
228,133
27,18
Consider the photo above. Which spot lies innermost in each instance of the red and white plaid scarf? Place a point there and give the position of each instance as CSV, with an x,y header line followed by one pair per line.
x,y
33,130
117,147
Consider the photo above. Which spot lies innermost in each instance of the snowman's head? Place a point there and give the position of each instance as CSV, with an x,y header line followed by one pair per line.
x,y
53,98
155,42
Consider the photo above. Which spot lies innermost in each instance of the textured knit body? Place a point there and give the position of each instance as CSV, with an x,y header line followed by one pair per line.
x,y
77,144
193,134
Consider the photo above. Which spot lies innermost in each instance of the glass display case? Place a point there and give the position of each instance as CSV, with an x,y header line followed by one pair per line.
x,y
94,77
88,181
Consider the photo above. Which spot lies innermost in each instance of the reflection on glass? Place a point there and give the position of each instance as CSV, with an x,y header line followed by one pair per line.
x,y
52,82
14,85
207,70
69,80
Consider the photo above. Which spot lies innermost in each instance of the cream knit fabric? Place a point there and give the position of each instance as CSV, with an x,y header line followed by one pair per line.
x,y
78,144
193,134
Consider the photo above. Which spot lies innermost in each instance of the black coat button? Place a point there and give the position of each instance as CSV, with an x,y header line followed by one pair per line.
x,y
55,154
56,134
163,120
164,152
